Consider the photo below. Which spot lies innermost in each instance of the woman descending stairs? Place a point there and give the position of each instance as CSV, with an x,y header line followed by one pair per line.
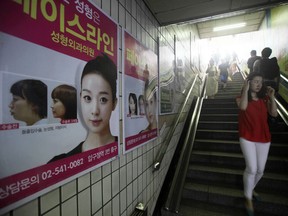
x,y
213,184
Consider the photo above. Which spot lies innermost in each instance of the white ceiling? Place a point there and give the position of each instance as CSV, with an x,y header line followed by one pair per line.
x,y
207,14
252,20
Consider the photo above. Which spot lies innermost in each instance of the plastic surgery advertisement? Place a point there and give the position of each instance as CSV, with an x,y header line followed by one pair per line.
x,y
59,116
168,78
140,89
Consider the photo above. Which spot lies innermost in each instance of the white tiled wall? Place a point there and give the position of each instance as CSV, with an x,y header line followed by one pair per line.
x,y
117,187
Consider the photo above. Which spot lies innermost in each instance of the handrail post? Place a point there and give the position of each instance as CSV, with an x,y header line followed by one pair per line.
x,y
161,153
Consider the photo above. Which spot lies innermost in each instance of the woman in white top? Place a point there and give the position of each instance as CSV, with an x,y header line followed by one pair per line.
x,y
212,79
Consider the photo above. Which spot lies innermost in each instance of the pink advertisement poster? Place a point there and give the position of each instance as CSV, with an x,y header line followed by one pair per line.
x,y
168,78
59,90
140,93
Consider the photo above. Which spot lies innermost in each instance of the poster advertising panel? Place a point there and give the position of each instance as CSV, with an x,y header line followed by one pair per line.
x,y
168,80
59,89
140,94
182,66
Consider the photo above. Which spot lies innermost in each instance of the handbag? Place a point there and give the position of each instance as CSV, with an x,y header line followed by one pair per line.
x,y
272,121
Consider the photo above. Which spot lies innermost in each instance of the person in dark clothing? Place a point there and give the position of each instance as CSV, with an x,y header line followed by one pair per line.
x,y
224,69
269,68
252,59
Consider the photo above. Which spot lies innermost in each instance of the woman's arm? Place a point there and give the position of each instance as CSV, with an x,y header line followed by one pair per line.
x,y
242,102
271,105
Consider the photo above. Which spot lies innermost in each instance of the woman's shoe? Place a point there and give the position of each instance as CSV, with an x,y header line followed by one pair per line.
x,y
249,207
256,196
249,212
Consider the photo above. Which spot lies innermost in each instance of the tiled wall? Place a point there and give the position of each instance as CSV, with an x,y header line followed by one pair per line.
x,y
117,187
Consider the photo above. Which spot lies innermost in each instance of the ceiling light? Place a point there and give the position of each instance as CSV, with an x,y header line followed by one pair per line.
x,y
226,27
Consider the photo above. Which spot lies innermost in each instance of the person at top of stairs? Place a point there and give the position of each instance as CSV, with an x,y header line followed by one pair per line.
x,y
212,79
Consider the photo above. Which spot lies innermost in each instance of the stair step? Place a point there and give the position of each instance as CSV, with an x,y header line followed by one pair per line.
x,y
217,134
207,102
228,104
234,146
273,204
219,117
191,207
275,176
210,189
279,127
276,137
219,110
222,125
235,160
217,145
233,125
229,93
226,96
232,177
279,137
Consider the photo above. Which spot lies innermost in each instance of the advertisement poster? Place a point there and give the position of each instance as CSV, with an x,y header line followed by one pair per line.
x,y
182,67
140,93
59,90
169,82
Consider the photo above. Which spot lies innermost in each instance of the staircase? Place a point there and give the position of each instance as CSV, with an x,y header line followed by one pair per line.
x,y
213,184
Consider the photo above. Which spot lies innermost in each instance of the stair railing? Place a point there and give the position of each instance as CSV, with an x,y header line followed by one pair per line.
x,y
172,203
282,111
162,151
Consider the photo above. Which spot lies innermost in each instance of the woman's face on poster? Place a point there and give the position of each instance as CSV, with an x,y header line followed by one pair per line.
x,y
132,105
150,109
21,109
96,103
141,106
58,108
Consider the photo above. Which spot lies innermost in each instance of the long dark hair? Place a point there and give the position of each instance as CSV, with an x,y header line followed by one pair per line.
x,y
262,92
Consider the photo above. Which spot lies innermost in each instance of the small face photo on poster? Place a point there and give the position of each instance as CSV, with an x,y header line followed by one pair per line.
x,y
132,101
29,101
64,102
141,102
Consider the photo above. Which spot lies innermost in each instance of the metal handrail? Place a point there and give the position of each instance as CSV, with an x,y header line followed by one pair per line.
x,y
174,197
282,111
162,151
